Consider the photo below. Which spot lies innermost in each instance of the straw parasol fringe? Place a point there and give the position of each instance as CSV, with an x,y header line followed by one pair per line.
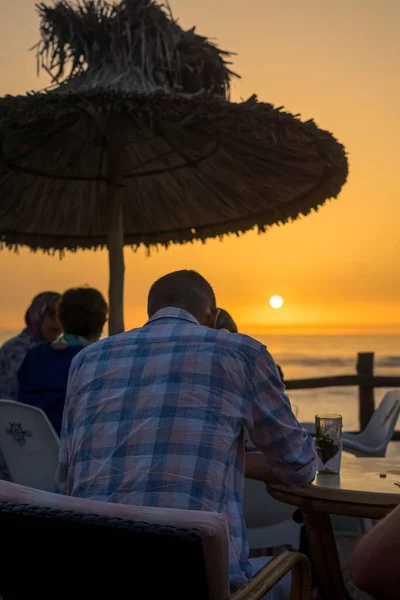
x,y
138,143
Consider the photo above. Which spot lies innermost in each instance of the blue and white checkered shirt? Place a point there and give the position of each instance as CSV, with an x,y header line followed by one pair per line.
x,y
156,416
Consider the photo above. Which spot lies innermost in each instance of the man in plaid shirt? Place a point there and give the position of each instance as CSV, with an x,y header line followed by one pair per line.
x,y
155,416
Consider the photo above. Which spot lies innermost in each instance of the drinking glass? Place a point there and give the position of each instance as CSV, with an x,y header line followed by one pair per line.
x,y
328,442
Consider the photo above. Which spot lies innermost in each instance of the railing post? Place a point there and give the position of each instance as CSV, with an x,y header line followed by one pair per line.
x,y
366,397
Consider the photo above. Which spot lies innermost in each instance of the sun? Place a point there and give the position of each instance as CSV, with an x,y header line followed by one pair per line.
x,y
276,302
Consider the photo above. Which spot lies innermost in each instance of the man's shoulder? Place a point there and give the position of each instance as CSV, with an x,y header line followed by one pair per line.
x,y
113,342
238,342
223,340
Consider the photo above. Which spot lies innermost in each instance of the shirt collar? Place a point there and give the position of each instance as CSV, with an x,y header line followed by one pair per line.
x,y
173,313
67,339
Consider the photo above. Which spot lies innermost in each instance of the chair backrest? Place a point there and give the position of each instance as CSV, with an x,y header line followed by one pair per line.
x,y
380,428
29,444
70,545
260,509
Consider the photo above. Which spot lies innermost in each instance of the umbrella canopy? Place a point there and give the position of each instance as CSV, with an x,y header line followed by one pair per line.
x,y
138,143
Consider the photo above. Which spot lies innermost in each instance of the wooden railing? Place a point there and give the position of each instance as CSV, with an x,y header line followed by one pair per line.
x,y
364,378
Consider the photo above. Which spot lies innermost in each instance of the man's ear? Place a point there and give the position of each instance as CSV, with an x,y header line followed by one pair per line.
x,y
211,319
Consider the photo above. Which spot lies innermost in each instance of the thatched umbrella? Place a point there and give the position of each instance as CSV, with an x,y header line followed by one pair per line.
x,y
138,143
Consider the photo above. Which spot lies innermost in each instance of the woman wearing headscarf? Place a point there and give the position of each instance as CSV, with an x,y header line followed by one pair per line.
x,y
41,325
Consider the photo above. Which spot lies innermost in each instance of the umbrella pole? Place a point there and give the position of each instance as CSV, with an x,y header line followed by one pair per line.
x,y
115,245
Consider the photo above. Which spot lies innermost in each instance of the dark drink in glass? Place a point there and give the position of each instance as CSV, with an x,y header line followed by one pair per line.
x,y
328,442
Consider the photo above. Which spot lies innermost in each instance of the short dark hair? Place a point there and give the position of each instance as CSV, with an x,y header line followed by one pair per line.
x,y
185,289
225,321
83,312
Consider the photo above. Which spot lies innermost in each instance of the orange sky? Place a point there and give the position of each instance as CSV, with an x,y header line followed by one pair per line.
x,y
337,270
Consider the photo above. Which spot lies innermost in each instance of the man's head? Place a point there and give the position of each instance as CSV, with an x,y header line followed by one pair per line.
x,y
225,321
186,290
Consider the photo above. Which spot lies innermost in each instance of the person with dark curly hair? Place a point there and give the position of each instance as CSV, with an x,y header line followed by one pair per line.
x,y
43,375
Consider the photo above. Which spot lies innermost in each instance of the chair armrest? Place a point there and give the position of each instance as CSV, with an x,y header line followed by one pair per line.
x,y
273,572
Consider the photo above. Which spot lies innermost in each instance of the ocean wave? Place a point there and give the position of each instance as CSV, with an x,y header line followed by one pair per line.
x,y
339,392
388,361
300,360
314,361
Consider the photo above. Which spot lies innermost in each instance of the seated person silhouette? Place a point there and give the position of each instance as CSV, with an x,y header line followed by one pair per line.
x,y
43,375
160,423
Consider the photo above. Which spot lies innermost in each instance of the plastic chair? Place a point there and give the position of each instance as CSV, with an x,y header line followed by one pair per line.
x,y
375,438
269,523
29,444
111,550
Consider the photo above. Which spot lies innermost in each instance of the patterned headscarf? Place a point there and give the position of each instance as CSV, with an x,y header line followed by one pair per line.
x,y
36,312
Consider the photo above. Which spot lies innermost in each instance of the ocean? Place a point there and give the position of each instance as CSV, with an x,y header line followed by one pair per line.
x,y
301,357
321,356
